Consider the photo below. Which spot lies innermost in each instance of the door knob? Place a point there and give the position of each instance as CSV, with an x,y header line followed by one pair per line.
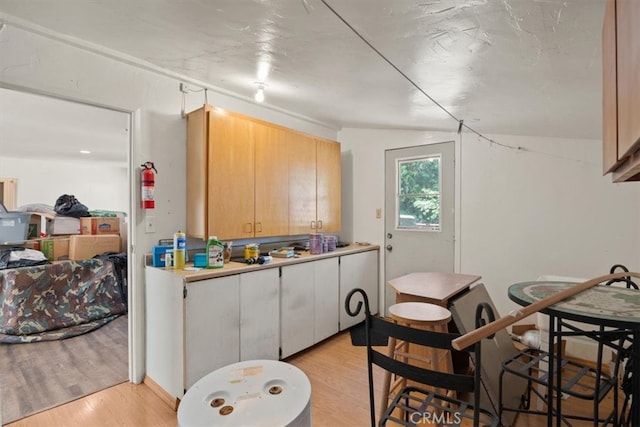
x,y
389,248
389,235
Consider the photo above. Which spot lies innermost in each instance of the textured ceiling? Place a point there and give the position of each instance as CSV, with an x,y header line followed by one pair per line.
x,y
524,67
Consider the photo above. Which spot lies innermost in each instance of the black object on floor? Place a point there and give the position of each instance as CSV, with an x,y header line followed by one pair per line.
x,y
358,338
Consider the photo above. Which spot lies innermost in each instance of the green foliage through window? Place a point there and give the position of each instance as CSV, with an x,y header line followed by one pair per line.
x,y
419,193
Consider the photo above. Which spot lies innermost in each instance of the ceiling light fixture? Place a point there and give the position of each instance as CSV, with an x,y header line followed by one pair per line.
x,y
259,96
85,152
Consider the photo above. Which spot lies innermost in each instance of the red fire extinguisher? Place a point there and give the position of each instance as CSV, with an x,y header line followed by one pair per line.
x,y
148,185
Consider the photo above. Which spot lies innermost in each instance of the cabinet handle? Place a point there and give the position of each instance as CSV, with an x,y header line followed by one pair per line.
x,y
319,224
313,225
258,227
249,227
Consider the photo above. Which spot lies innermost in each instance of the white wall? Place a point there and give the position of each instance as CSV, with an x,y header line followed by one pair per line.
x,y
97,186
70,69
521,214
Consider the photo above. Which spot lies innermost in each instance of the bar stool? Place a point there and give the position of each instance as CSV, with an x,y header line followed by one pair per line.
x,y
418,315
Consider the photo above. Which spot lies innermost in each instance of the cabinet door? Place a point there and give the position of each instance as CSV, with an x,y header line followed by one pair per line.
x,y
260,315
328,173
296,308
212,326
230,176
271,181
358,271
609,90
628,69
164,330
302,183
325,298
197,155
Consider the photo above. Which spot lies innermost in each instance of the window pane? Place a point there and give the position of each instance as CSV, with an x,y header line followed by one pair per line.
x,y
418,201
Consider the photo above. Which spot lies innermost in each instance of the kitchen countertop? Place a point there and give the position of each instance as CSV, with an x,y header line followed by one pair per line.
x,y
241,267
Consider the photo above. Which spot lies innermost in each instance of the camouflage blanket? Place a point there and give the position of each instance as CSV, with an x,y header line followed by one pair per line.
x,y
58,301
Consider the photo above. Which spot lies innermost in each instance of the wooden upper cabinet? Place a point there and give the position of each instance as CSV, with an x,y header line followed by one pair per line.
x,y
314,185
621,90
302,183
250,179
628,70
609,90
231,176
328,185
271,181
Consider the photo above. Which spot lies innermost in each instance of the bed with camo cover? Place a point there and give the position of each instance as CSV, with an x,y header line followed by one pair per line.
x,y
59,300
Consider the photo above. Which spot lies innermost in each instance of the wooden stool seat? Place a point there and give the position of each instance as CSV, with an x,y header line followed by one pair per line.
x,y
420,314
417,315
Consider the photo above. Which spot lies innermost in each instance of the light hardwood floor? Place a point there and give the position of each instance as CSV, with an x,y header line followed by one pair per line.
x,y
336,369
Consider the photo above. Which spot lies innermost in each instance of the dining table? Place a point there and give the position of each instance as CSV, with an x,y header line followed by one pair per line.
x,y
613,307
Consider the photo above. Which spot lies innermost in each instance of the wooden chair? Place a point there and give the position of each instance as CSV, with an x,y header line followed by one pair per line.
x,y
413,404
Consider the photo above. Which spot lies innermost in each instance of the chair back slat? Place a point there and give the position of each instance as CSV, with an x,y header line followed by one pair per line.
x,y
384,328
457,382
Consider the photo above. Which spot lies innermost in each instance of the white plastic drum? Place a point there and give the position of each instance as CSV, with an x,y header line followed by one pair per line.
x,y
250,393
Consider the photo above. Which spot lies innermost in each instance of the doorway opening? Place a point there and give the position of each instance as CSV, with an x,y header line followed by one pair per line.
x,y
51,146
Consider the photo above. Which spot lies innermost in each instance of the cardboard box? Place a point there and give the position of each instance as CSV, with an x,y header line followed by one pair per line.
x,y
38,224
86,246
100,225
55,249
33,244
63,225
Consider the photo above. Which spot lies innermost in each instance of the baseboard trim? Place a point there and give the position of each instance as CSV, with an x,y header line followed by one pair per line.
x,y
167,398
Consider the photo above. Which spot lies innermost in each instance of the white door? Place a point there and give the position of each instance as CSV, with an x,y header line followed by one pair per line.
x,y
419,216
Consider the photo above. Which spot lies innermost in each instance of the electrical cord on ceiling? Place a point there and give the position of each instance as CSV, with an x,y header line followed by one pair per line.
x,y
415,85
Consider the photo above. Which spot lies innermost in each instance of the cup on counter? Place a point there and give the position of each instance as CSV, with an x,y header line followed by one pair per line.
x,y
315,243
331,243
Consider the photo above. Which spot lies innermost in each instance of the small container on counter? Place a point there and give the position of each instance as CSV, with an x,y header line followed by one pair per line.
x,y
315,243
227,251
200,260
331,243
252,250
168,259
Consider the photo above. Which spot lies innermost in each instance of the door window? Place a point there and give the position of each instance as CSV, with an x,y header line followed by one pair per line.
x,y
418,193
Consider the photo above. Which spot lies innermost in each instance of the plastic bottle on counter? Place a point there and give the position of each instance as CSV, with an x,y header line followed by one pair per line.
x,y
168,261
179,250
215,253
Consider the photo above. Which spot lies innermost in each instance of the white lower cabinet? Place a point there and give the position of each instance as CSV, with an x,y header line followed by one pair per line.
x,y
296,308
211,326
194,327
309,304
260,315
325,298
231,319
358,270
